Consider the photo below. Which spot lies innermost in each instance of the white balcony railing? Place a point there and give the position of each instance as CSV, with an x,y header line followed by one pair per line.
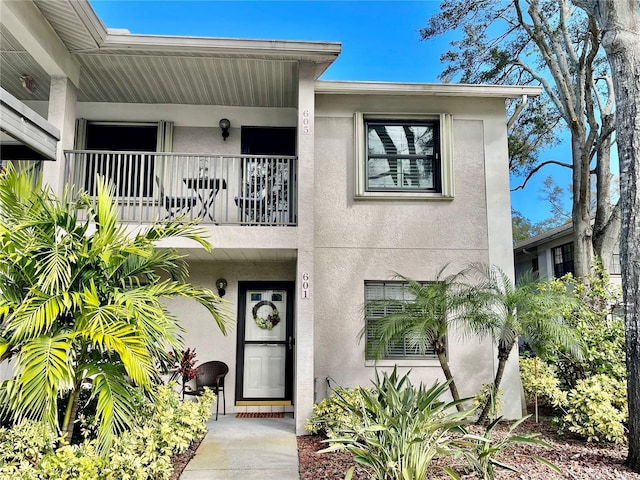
x,y
219,189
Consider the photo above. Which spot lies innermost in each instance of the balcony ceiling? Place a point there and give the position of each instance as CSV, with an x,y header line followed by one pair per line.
x,y
116,66
240,255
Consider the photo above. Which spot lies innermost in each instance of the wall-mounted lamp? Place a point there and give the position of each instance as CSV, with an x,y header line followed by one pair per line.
x,y
224,126
28,83
221,284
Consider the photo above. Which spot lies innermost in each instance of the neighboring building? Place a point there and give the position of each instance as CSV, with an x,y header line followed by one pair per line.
x,y
550,254
313,193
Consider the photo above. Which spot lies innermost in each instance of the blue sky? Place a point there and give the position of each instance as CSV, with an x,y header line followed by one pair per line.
x,y
380,42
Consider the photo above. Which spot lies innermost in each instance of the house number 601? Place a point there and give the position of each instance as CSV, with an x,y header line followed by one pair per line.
x,y
304,291
306,122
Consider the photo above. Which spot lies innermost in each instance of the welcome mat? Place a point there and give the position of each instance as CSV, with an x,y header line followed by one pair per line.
x,y
260,415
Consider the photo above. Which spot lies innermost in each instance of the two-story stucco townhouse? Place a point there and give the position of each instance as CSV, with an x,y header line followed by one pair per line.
x,y
313,193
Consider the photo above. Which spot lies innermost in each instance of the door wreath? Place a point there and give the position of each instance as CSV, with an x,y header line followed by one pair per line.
x,y
271,320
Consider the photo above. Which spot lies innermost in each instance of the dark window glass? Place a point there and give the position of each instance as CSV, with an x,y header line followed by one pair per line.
x,y
562,259
131,172
273,141
402,156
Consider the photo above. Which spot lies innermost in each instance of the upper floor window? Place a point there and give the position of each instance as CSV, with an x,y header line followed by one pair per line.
x,y
381,299
403,156
562,259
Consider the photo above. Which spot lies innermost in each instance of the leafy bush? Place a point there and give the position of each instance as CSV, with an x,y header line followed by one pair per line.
x,y
399,428
539,378
22,446
597,410
485,396
601,332
330,416
165,426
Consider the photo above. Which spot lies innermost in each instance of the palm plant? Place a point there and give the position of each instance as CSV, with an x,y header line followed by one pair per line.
x,y
80,304
422,322
505,311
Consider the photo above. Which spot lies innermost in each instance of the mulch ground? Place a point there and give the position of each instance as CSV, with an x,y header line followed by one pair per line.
x,y
577,460
181,460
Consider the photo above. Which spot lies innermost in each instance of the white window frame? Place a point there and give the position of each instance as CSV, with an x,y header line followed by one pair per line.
x,y
446,180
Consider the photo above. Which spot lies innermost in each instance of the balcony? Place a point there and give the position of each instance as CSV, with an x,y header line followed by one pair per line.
x,y
218,189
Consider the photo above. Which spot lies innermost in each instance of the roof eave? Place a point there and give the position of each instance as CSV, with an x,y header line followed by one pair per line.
x,y
544,237
318,51
107,39
441,89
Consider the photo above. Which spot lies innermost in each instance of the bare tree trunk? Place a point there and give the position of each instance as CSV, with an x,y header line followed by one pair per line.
x,y
581,212
444,364
503,356
606,228
71,412
620,22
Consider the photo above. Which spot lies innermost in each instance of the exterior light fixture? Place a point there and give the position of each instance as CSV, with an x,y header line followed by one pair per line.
x,y
28,83
224,126
221,283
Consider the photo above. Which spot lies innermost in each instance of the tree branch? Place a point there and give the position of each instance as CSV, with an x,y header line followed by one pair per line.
x,y
535,170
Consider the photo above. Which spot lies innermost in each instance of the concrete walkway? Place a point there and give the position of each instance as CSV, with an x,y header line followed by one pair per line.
x,y
246,449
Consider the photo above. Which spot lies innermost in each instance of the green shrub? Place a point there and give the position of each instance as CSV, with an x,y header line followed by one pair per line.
x,y
487,394
597,410
399,429
539,378
22,446
165,426
330,416
601,332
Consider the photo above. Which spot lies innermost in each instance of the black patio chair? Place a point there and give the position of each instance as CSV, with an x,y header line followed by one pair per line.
x,y
211,374
175,205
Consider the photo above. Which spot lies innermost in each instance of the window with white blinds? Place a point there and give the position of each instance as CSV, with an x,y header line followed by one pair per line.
x,y
381,299
403,156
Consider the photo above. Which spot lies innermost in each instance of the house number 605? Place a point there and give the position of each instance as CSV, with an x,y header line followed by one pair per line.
x,y
306,122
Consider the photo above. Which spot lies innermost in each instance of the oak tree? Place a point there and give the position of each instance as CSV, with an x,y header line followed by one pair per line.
x,y
619,21
553,44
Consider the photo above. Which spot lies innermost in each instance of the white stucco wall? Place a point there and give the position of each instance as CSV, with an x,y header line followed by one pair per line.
x,y
369,240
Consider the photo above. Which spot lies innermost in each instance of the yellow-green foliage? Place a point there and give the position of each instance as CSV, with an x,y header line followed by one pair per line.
x,y
597,409
165,426
601,333
329,416
539,378
487,393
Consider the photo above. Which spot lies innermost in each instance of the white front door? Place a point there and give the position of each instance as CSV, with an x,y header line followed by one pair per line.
x,y
266,344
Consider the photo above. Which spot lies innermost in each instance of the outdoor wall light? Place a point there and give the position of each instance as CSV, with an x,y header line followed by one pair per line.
x,y
28,83
224,126
221,283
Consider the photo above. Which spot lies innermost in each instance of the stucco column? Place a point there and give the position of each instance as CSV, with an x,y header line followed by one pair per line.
x,y
305,271
62,114
500,242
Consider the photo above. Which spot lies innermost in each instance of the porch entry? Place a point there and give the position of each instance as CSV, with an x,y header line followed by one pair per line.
x,y
265,343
